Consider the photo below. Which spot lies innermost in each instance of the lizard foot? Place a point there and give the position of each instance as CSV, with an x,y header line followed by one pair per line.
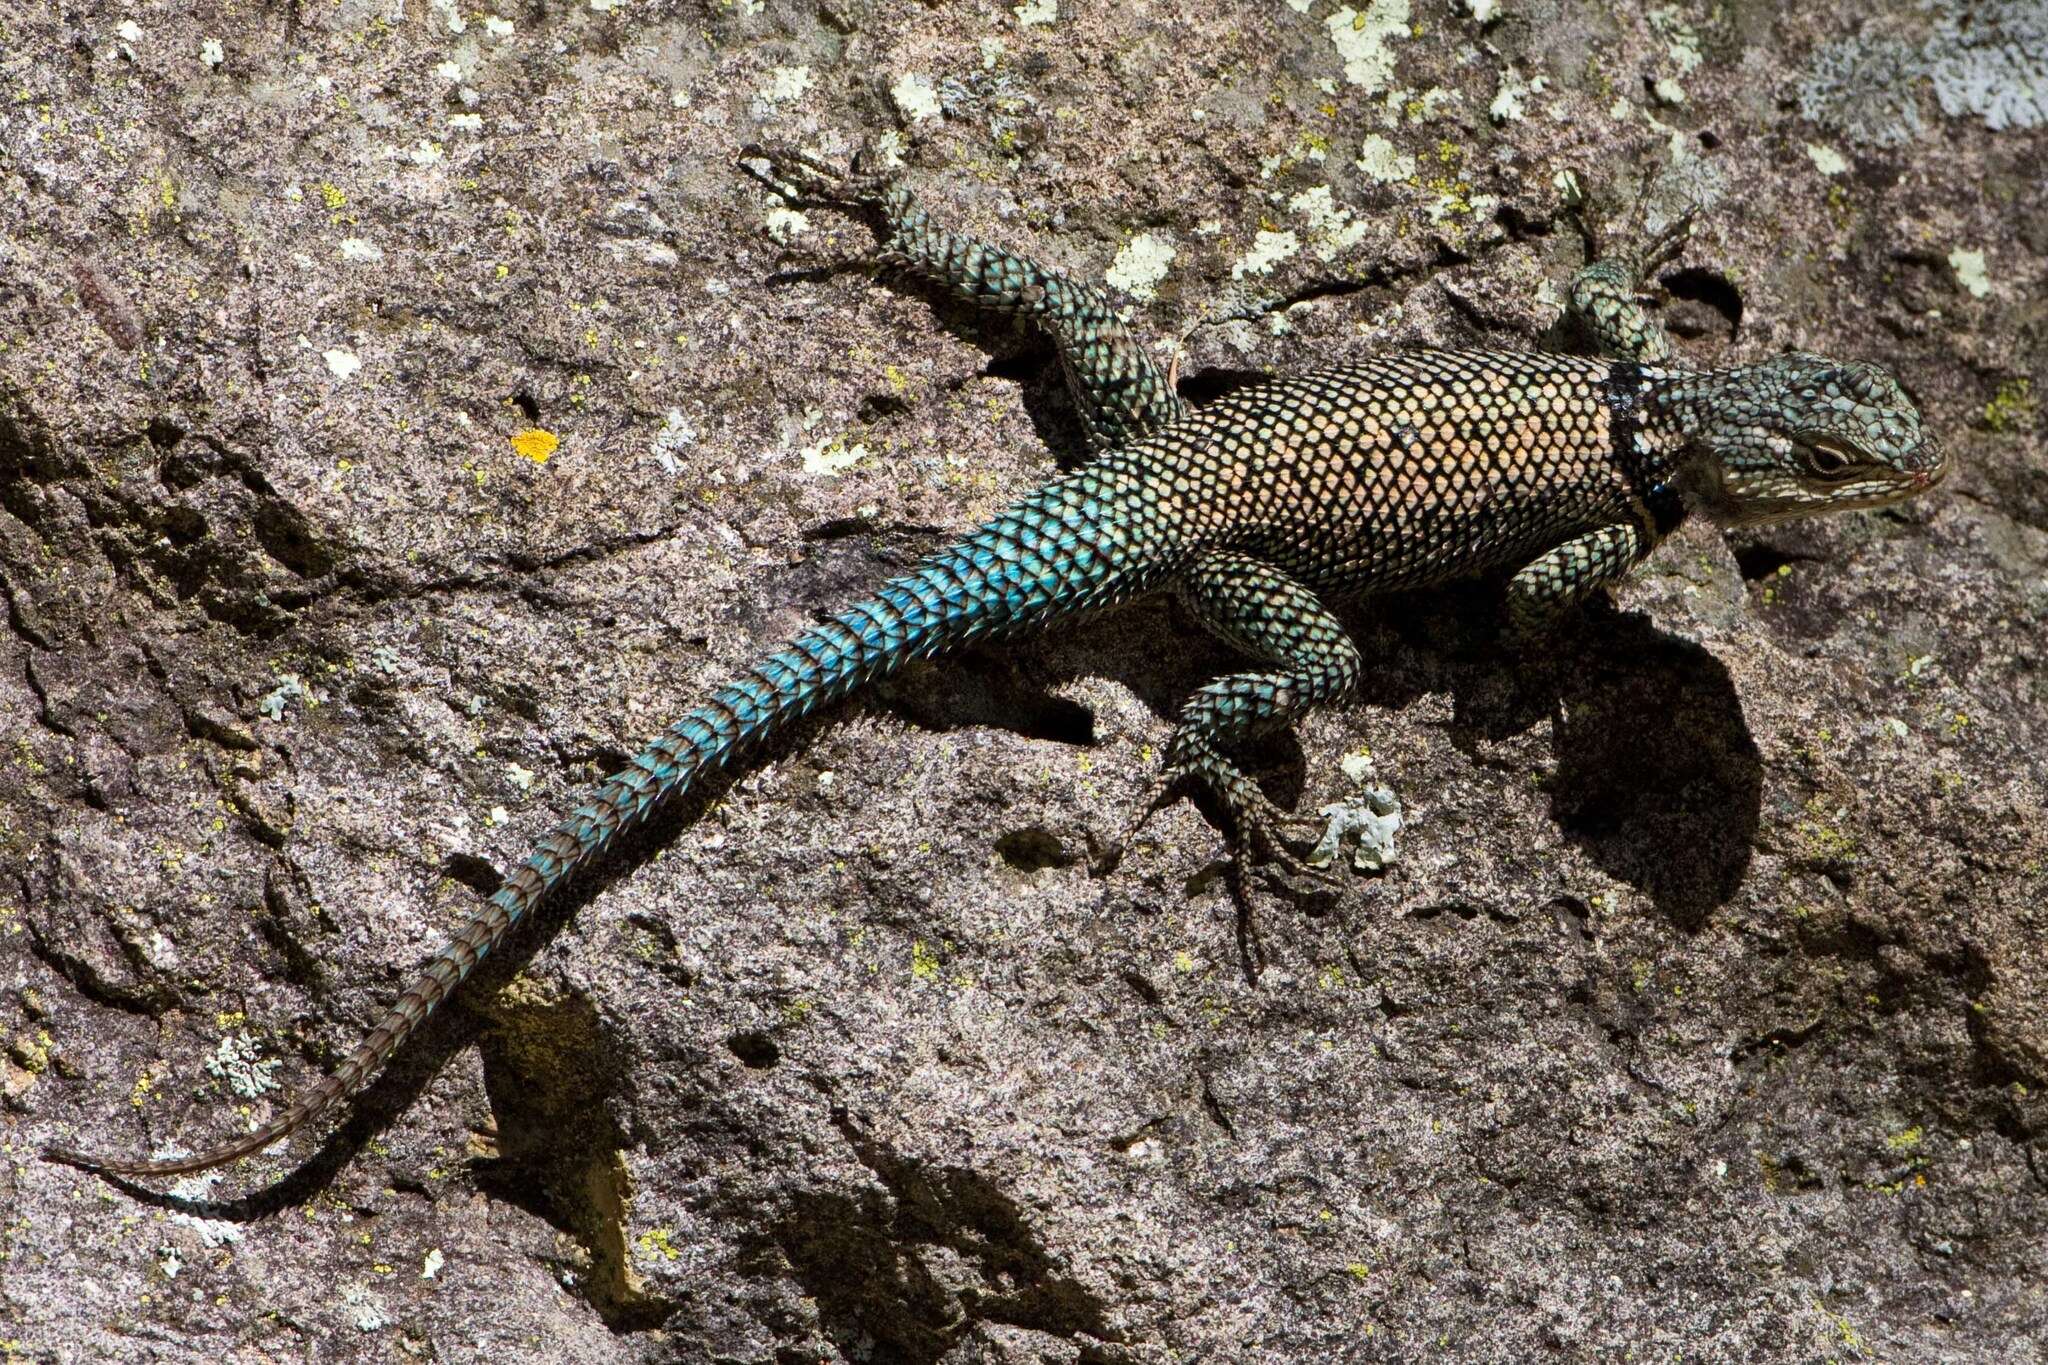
x,y
800,178
1262,835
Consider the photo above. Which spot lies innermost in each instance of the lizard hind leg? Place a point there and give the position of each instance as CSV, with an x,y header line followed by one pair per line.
x,y
1261,610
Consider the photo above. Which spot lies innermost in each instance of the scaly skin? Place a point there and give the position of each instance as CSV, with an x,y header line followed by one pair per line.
x,y
1407,470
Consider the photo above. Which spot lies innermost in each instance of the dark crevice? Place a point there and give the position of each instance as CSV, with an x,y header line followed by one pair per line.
x,y
1774,1041
1145,990
867,1262
1034,849
755,1049
16,621
1213,1107
597,549
1709,287
46,715
847,528
1765,561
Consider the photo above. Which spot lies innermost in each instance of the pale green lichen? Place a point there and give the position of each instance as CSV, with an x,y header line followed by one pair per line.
x,y
1865,91
234,1061
1826,160
1970,272
1381,160
1361,40
785,224
786,85
1991,60
832,457
1982,58
1510,101
1141,265
1682,43
1268,250
1330,227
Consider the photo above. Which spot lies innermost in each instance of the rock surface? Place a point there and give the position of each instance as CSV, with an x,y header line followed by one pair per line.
x,y
1700,1018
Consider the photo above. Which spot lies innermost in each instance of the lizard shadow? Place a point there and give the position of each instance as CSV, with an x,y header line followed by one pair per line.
x,y
1657,778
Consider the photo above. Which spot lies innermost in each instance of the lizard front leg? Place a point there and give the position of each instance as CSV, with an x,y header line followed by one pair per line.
x,y
1122,394
1272,617
1569,573
1605,299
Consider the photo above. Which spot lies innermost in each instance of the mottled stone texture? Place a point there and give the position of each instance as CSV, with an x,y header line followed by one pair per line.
x,y
1702,1017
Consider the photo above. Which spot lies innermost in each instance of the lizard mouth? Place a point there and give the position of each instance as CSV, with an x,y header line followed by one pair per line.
x,y
1935,467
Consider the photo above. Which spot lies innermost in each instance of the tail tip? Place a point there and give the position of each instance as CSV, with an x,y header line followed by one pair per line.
x,y
68,1156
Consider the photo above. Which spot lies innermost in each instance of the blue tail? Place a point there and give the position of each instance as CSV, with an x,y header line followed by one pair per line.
x,y
1082,541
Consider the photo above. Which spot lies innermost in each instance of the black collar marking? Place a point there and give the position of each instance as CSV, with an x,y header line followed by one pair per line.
x,y
1648,472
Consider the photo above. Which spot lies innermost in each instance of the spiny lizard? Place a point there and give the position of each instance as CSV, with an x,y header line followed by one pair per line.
x,y
1403,471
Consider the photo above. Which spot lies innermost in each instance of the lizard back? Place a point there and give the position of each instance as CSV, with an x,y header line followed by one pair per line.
x,y
1404,470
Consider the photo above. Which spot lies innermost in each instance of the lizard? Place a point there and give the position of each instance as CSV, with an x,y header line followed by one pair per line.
x,y
1403,471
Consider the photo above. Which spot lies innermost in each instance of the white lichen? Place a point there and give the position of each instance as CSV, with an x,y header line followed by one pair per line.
x,y
1682,43
1330,227
786,84
786,224
915,97
676,436
234,1061
1510,101
1991,60
832,457
1369,819
1035,12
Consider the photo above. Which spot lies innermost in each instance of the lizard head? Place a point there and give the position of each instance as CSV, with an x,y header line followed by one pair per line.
x,y
1801,434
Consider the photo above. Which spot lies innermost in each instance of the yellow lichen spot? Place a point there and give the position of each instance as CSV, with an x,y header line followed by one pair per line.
x,y
535,444
658,1242
332,196
2012,408
924,963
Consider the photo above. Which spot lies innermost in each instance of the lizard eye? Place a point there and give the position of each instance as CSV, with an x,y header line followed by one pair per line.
x,y
1825,460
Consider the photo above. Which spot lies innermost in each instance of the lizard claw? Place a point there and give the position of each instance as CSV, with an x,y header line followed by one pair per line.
x,y
1664,248
1261,835
801,178
1153,802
